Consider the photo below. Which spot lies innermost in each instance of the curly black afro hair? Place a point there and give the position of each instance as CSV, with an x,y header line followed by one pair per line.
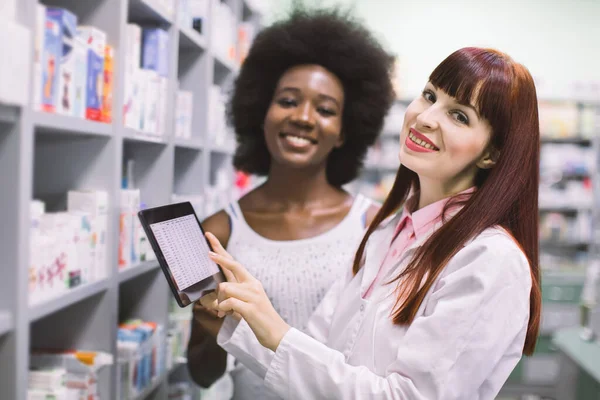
x,y
334,40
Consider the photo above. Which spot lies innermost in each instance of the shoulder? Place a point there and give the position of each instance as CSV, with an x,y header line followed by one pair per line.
x,y
219,225
494,256
371,212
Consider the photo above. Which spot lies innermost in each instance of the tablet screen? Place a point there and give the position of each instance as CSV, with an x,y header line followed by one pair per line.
x,y
185,250
178,241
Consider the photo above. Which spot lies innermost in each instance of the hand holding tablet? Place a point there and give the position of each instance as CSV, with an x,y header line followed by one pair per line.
x,y
178,240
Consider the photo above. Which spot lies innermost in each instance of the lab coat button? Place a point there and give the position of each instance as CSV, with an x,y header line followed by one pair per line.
x,y
362,307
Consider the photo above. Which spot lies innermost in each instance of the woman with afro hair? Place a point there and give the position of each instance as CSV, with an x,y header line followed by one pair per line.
x,y
309,100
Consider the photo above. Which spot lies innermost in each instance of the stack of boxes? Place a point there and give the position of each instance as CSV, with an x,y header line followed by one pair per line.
x,y
73,67
146,80
134,247
183,114
140,356
67,248
66,375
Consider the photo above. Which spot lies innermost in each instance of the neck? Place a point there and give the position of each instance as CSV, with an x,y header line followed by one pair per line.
x,y
297,187
432,191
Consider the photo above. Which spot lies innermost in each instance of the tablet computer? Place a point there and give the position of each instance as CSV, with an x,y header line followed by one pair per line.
x,y
181,249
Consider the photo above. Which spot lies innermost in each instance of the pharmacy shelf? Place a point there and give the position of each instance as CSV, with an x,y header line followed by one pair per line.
x,y
585,354
567,140
190,39
8,114
563,209
137,136
51,154
152,387
60,124
222,149
519,389
6,322
564,244
193,144
149,10
229,65
72,296
137,270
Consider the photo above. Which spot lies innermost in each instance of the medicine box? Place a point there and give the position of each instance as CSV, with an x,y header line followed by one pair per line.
x,y
67,25
107,89
50,63
155,53
96,43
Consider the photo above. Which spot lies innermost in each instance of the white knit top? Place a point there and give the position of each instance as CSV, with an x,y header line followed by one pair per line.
x,y
296,274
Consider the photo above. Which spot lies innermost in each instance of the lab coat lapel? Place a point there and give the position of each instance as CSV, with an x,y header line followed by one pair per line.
x,y
376,250
408,254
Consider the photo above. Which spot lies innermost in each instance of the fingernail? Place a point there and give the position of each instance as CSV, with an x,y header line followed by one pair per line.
x,y
212,254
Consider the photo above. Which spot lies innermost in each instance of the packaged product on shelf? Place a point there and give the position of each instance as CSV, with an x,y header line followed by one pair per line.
x,y
145,248
80,77
149,94
558,120
95,204
197,15
131,104
155,53
161,119
67,25
83,243
217,127
155,57
107,87
183,114
64,271
223,28
38,54
140,348
81,377
246,32
96,43
129,248
183,13
51,58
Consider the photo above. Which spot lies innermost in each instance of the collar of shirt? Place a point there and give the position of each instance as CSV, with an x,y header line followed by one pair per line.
x,y
423,219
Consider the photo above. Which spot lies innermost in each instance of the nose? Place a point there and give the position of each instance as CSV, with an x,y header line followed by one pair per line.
x,y
303,116
428,118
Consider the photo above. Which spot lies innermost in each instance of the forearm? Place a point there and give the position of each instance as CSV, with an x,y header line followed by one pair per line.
x,y
207,361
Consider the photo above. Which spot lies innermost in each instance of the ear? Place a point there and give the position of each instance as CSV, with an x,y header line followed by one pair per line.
x,y
489,158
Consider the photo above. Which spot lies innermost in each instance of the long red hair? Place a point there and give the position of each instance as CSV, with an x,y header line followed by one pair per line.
x,y
504,93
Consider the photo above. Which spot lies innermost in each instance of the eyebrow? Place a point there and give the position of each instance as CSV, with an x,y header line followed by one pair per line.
x,y
297,90
472,107
469,105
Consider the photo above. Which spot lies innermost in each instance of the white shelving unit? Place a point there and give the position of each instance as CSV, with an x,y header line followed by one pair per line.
x,y
45,155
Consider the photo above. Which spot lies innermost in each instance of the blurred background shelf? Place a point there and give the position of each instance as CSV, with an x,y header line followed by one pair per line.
x,y
137,270
60,124
6,322
67,299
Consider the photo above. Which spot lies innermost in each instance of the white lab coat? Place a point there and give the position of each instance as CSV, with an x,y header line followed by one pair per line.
x,y
466,339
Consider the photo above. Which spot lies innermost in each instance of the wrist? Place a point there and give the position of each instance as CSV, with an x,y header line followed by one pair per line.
x,y
278,335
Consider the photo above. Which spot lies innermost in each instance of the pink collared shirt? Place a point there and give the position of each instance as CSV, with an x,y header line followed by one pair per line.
x,y
410,228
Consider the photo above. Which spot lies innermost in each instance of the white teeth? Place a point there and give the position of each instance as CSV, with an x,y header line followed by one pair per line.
x,y
420,142
298,140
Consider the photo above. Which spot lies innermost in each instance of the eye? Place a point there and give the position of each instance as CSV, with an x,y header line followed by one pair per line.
x,y
429,95
327,112
286,102
460,117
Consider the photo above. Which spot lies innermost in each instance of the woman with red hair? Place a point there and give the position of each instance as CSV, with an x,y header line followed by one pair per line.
x,y
444,294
